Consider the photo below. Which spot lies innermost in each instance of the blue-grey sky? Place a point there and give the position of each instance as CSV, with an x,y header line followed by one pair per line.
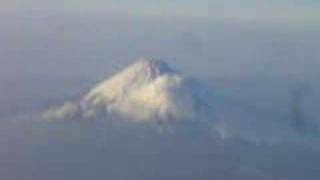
x,y
57,50
301,11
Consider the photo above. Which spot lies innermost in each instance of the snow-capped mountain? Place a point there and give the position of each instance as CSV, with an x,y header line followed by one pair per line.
x,y
151,91
146,90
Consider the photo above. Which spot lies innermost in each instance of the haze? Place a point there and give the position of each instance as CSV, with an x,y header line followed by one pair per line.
x,y
257,53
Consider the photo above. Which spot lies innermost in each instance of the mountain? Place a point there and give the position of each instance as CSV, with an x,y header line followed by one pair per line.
x,y
150,90
146,90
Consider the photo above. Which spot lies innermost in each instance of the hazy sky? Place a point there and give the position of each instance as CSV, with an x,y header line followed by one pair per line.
x,y
56,50
299,11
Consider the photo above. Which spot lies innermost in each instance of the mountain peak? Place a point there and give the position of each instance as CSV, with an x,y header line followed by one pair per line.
x,y
154,67
148,89
142,72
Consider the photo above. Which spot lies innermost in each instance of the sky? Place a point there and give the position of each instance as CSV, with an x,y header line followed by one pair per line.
x,y
297,11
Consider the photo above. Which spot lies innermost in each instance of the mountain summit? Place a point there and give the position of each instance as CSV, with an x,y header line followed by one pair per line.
x,y
148,89
142,72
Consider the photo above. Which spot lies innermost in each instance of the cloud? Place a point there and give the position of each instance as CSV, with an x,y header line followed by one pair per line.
x,y
68,110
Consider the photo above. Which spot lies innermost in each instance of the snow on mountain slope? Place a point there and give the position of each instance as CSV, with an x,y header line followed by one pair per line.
x,y
146,90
